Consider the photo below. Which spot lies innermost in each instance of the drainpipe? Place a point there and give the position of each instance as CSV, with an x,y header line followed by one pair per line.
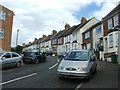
x,y
119,47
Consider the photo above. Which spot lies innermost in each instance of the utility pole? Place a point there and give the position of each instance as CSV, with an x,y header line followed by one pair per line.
x,y
17,37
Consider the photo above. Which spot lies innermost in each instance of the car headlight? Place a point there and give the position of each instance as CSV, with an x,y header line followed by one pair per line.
x,y
82,69
60,68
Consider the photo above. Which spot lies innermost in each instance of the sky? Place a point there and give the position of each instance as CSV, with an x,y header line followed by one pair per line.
x,y
35,18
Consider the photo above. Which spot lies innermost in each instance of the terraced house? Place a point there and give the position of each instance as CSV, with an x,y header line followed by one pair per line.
x,y
6,22
100,36
111,27
94,37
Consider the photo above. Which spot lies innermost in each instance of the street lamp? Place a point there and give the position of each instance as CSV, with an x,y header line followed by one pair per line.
x,y
17,37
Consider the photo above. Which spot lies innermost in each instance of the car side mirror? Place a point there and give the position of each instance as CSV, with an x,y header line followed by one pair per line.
x,y
92,58
3,58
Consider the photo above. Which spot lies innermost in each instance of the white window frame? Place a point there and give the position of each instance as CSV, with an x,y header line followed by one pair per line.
x,y
110,40
110,23
2,15
1,33
87,35
116,20
99,29
116,36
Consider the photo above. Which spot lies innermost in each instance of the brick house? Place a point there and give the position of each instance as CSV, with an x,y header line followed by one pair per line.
x,y
111,27
93,39
6,22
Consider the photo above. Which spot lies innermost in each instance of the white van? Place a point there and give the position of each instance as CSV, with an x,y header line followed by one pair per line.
x,y
78,64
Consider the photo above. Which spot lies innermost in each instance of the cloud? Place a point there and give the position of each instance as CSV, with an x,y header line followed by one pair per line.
x,y
106,7
37,17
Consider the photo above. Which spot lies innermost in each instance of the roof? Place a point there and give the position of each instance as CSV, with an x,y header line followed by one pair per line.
x,y
70,30
40,39
7,9
56,35
35,42
82,24
112,13
47,38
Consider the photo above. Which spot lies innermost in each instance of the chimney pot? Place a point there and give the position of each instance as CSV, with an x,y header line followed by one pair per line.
x,y
54,32
83,20
67,26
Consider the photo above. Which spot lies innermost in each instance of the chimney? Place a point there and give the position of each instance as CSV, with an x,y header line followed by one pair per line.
x,y
29,43
83,20
44,36
35,39
54,32
67,26
23,44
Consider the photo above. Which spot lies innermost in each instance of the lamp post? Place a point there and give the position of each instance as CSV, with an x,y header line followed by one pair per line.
x,y
17,37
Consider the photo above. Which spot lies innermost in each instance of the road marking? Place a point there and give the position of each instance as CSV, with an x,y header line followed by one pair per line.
x,y
18,79
78,87
58,60
53,66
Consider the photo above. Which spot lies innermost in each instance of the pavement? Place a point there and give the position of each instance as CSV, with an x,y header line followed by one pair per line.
x,y
106,76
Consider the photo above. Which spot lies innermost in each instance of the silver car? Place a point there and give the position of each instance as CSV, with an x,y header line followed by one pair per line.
x,y
78,64
10,59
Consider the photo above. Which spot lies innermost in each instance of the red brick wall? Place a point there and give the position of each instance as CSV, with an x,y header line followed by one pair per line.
x,y
105,25
7,27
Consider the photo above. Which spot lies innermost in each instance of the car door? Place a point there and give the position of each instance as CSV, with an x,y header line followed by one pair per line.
x,y
15,58
6,60
93,61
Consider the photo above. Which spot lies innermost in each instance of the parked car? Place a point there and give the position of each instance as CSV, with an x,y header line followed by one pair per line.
x,y
48,53
10,59
78,64
34,57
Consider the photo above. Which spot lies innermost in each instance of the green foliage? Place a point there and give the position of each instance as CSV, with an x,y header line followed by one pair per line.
x,y
17,49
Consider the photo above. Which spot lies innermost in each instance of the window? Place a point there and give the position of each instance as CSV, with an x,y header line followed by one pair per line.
x,y
14,55
111,40
69,37
87,35
116,20
98,30
116,36
110,24
2,15
1,33
7,55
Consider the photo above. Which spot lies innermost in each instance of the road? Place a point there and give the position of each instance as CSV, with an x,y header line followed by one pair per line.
x,y
44,75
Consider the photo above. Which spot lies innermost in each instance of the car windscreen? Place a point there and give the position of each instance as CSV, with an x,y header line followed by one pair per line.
x,y
77,56
1,53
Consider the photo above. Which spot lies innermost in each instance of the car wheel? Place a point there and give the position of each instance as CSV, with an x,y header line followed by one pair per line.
x,y
44,60
60,77
89,76
95,70
36,61
18,64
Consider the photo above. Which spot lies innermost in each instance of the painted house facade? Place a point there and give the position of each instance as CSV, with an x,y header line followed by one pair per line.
x,y
54,42
62,39
85,24
6,22
93,39
111,27
69,39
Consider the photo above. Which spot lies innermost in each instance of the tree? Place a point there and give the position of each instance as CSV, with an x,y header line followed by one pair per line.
x,y
19,49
